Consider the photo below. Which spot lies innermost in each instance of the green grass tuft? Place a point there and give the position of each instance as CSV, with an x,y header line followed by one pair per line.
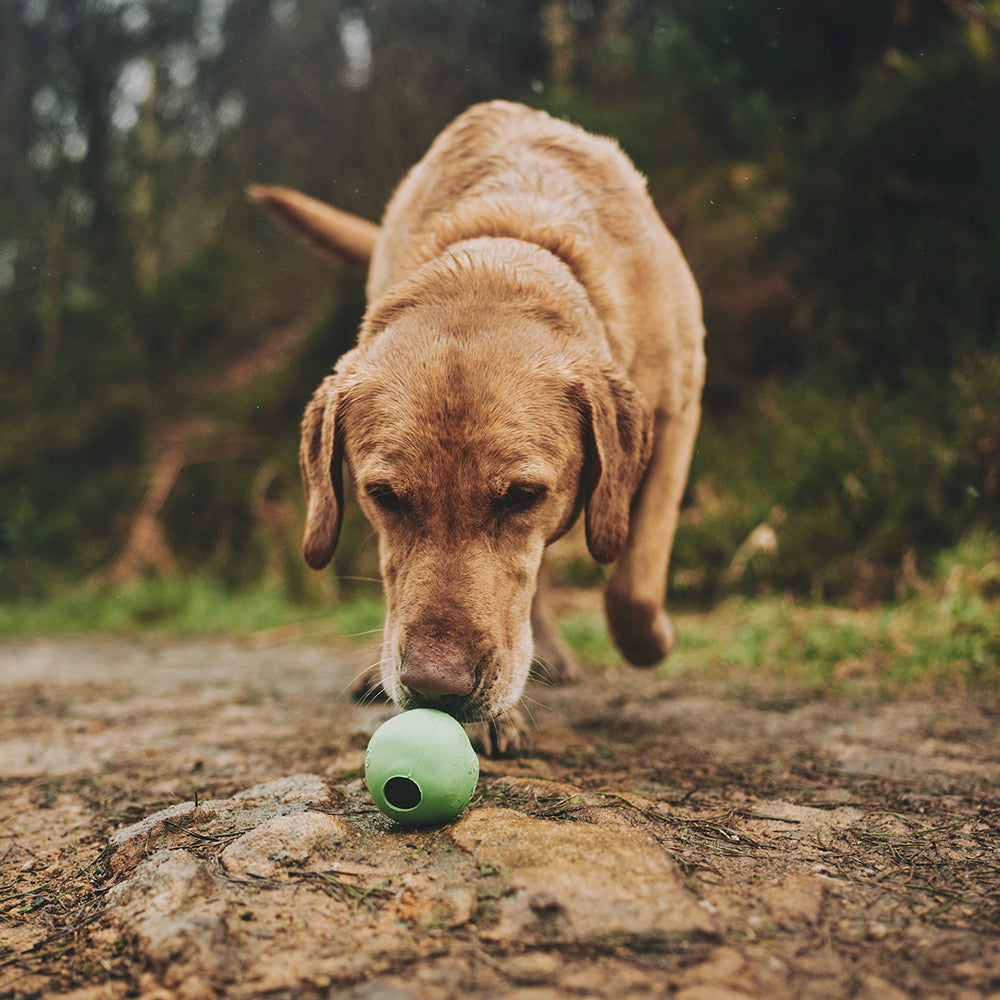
x,y
947,632
188,605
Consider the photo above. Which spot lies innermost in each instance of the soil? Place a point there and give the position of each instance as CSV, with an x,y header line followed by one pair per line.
x,y
187,818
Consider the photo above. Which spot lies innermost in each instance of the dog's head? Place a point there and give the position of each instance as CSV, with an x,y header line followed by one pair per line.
x,y
474,434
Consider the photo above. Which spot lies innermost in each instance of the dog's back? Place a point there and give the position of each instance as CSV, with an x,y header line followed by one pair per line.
x,y
504,170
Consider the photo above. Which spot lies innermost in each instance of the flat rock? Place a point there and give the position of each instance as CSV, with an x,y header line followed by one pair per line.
x,y
282,844
173,911
578,883
800,822
242,811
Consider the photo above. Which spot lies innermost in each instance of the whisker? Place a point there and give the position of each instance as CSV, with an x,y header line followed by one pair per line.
x,y
527,700
357,635
527,711
364,670
542,672
356,680
372,696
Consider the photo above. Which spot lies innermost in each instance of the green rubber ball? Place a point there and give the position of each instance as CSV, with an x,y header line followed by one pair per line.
x,y
420,767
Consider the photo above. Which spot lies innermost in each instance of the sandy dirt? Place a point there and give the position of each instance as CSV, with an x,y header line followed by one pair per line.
x,y
186,817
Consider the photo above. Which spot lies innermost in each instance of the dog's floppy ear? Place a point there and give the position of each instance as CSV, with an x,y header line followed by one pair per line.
x,y
618,432
321,461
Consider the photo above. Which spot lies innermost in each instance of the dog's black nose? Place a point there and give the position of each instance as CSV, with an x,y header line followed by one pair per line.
x,y
434,668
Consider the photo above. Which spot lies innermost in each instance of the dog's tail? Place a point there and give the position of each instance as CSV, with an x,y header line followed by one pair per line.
x,y
327,228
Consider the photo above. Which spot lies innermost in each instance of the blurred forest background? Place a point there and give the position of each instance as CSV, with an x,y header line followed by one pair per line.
x,y
831,169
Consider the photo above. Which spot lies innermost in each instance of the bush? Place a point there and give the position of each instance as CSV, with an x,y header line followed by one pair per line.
x,y
893,231
856,487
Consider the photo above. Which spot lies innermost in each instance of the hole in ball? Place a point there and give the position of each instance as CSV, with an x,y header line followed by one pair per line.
x,y
402,793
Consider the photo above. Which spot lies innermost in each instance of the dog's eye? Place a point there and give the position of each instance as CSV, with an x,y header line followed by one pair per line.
x,y
518,499
384,495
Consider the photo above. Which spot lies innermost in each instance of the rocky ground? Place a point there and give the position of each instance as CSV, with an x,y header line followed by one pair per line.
x,y
187,818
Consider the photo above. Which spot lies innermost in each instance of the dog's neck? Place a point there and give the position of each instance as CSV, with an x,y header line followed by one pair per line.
x,y
532,220
497,272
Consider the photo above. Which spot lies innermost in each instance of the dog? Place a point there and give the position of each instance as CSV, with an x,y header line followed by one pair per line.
x,y
532,351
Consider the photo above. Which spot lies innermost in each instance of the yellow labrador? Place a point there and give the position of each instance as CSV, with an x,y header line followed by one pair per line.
x,y
532,349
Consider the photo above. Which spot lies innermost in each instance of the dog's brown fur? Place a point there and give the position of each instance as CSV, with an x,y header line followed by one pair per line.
x,y
533,349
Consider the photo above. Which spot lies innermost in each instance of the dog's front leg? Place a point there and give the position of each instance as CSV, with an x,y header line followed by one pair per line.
x,y
636,593
554,661
505,735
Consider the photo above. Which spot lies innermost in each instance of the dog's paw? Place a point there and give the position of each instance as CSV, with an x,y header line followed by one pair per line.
x,y
504,735
368,689
644,634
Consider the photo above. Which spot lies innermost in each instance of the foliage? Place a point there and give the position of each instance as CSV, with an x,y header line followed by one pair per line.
x,y
893,229
856,487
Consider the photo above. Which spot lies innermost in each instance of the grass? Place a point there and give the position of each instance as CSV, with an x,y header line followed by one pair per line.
x,y
819,648
945,632
824,648
188,605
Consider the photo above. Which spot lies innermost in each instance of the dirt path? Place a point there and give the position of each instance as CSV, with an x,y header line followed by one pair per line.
x,y
705,840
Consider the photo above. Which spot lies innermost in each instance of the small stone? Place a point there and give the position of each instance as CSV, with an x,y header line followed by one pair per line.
x,y
534,968
303,840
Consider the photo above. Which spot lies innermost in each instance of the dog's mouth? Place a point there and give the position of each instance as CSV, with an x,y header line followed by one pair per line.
x,y
463,708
